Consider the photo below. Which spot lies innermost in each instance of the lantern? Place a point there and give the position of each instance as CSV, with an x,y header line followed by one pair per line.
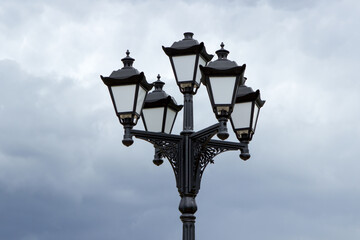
x,y
186,56
160,110
246,112
128,89
222,79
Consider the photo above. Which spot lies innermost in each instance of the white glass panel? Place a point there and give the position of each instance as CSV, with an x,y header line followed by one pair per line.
x,y
184,66
170,117
241,115
202,62
140,101
153,118
222,89
124,97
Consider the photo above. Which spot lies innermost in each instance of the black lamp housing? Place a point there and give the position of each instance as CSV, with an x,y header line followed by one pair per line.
x,y
246,112
128,89
222,79
160,110
186,56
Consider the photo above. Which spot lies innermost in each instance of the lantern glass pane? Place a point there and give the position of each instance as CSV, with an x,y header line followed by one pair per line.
x,y
124,97
184,67
153,118
140,100
241,115
222,89
202,62
170,118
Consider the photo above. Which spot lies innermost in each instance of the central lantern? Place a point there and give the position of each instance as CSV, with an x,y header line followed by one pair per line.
x,y
186,56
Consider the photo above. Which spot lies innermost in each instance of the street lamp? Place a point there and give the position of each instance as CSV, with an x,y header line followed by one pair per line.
x,y
190,152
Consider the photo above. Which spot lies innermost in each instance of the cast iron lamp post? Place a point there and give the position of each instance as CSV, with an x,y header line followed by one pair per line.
x,y
190,152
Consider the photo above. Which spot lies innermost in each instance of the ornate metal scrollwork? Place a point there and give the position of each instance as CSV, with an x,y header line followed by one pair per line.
x,y
205,150
170,150
168,146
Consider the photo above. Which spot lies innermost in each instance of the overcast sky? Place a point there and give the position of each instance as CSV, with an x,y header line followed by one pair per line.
x,y
64,173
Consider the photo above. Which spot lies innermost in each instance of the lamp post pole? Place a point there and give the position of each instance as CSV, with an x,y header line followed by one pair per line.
x,y
190,152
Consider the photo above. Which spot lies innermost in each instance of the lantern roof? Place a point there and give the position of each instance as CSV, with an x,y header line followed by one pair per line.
x,y
222,62
187,42
247,94
128,70
222,66
187,46
159,98
127,74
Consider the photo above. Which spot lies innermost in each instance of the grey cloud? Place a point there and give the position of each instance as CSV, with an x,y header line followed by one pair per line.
x,y
65,175
59,178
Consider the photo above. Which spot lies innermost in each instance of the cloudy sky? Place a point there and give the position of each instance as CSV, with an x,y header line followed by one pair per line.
x,y
64,173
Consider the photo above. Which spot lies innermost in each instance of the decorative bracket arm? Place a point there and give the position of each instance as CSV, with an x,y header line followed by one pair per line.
x,y
166,145
206,149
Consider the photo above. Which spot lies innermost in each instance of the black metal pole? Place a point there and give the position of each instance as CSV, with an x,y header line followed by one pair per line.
x,y
187,205
188,155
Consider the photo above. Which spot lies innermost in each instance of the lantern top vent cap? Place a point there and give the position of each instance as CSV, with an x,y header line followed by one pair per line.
x,y
187,42
246,94
159,97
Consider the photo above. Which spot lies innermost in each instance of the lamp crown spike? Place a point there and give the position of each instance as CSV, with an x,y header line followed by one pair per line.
x,y
158,84
222,53
128,61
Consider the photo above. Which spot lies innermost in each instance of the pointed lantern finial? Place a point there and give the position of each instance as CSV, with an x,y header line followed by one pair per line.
x,y
158,84
128,61
222,53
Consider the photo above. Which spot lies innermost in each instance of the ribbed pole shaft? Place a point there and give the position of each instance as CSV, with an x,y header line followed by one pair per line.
x,y
187,204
